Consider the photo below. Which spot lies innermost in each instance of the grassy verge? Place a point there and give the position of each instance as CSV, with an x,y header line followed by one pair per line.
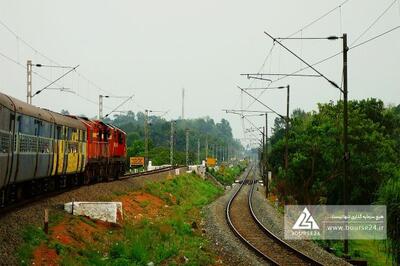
x,y
171,235
32,237
226,175
371,250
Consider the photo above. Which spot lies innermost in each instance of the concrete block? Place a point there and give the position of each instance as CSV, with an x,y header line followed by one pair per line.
x,y
105,211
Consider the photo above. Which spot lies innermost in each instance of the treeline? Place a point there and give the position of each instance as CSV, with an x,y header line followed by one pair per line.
x,y
218,135
315,172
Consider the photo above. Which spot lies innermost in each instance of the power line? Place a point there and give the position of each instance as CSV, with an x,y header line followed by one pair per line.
x,y
46,79
116,108
326,59
374,38
294,33
374,22
301,59
318,19
48,58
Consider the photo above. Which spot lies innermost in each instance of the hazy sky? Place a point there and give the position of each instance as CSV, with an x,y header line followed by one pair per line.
x,y
155,48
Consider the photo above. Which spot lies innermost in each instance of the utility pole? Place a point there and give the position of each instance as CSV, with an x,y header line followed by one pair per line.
x,y
263,153
287,133
171,152
101,107
187,147
183,103
346,156
146,139
29,82
206,147
198,151
266,181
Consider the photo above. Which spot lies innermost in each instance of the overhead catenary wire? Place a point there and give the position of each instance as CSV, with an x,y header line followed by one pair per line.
x,y
374,22
116,108
47,79
318,19
374,38
301,31
19,38
327,59
336,54
269,108
301,59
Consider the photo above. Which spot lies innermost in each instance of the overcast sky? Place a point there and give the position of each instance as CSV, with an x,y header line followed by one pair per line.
x,y
155,48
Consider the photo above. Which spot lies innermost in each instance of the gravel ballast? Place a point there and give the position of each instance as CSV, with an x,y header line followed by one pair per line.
x,y
233,252
226,244
273,220
229,248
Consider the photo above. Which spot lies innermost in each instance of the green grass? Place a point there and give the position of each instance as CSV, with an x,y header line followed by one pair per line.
x,y
227,175
371,250
166,240
33,237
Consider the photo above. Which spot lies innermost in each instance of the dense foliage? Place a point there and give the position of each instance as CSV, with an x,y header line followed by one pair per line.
x,y
226,175
315,173
219,134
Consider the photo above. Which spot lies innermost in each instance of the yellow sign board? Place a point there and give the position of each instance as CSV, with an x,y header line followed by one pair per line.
x,y
136,161
211,161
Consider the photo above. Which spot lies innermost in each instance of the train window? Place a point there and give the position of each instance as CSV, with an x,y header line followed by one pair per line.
x,y
26,125
4,142
4,119
44,145
58,132
72,147
45,129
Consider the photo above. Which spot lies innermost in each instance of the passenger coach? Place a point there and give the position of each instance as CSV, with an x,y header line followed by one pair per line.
x,y
42,151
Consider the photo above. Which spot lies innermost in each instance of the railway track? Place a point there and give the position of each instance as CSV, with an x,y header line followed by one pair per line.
x,y
22,203
244,223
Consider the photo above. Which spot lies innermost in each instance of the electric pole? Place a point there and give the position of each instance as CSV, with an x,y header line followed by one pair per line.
x,y
266,157
287,133
262,161
146,138
346,156
198,151
101,107
206,147
183,103
187,147
29,82
171,152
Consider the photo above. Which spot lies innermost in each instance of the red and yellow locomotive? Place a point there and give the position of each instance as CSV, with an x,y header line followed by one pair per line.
x,y
41,150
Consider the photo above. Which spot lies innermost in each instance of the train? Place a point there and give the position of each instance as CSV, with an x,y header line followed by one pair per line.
x,y
43,151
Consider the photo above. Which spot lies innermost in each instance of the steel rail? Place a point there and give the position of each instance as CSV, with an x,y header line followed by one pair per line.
x,y
268,232
236,231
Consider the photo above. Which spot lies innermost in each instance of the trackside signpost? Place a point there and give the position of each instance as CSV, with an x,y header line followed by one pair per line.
x,y
136,161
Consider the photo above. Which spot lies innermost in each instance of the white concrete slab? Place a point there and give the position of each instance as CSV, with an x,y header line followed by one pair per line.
x,y
105,211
